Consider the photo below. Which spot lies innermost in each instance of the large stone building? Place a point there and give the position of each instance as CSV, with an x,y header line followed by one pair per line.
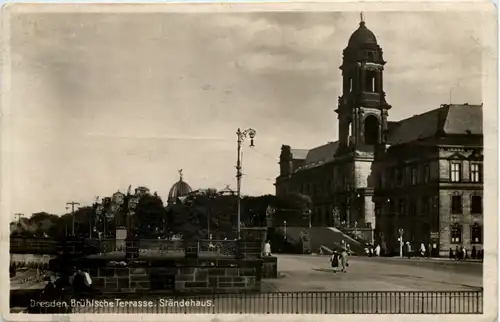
x,y
422,176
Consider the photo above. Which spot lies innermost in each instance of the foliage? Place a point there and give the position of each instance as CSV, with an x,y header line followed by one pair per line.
x,y
194,215
150,217
191,217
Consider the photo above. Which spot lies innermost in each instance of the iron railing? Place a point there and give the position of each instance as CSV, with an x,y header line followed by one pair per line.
x,y
388,302
218,248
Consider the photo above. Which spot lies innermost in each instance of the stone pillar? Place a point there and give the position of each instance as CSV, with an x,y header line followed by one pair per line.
x,y
190,248
121,236
131,248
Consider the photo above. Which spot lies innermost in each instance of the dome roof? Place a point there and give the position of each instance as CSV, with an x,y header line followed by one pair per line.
x,y
179,189
362,36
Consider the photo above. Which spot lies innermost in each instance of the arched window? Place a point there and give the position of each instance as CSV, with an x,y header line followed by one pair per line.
x,y
371,81
371,127
456,234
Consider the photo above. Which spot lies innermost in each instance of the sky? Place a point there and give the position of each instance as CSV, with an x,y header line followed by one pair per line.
x,y
101,101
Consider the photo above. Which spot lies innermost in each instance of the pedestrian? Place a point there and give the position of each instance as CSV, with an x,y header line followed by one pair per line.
x,y
408,249
343,260
457,253
377,251
267,248
473,252
371,251
463,252
348,249
334,261
367,251
422,250
451,253
429,250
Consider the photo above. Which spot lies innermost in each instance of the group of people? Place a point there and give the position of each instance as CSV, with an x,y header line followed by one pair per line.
x,y
461,253
372,251
62,287
339,260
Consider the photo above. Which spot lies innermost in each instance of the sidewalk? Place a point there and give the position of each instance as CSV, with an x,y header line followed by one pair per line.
x,y
429,261
438,259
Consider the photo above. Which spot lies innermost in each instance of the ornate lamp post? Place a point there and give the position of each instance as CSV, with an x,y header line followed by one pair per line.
x,y
242,135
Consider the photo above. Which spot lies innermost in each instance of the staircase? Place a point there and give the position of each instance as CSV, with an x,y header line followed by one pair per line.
x,y
329,238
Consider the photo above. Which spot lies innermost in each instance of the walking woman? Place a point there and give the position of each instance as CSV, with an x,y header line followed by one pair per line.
x,y
343,260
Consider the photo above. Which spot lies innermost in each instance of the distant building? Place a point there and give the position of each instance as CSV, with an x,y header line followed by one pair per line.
x,y
423,174
142,191
179,189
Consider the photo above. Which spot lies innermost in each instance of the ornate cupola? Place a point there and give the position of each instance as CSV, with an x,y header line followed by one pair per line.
x,y
362,108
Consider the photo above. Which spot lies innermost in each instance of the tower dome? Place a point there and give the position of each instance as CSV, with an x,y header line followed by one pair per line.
x,y
179,189
362,36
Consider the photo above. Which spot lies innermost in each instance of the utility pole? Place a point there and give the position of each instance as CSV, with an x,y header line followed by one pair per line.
x,y
241,136
73,204
19,215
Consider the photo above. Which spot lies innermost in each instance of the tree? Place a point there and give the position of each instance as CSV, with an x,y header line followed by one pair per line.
x,y
150,217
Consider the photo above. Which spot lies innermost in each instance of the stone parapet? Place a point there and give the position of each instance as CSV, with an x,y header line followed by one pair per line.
x,y
190,276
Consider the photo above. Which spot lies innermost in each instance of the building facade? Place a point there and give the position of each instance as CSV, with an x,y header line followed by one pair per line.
x,y
420,176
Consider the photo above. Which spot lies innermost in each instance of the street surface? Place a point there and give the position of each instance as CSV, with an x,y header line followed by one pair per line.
x,y
313,273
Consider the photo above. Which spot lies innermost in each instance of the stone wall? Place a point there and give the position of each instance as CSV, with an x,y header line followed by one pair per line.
x,y
243,275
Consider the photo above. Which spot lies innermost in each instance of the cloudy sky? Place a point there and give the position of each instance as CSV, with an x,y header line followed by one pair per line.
x,y
101,101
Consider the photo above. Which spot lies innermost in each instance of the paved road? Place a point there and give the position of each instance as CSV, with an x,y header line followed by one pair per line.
x,y
313,273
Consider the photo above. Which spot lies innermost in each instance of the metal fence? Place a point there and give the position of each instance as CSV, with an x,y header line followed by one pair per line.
x,y
218,248
433,302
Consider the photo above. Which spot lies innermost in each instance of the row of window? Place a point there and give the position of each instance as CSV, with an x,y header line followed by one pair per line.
x,y
476,205
476,234
475,172
416,174
371,83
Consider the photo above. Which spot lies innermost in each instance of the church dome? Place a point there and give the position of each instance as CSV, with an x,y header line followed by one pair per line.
x,y
179,189
362,36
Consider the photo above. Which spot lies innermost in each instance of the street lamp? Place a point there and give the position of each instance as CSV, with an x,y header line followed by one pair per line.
x,y
401,232
242,135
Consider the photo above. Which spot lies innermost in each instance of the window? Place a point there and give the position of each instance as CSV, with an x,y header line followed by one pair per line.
x,y
476,205
425,205
370,83
412,208
390,177
402,206
391,206
414,175
456,172
456,204
427,173
399,176
456,234
476,234
475,172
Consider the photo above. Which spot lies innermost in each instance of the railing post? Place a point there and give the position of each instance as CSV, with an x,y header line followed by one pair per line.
x,y
240,249
190,248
